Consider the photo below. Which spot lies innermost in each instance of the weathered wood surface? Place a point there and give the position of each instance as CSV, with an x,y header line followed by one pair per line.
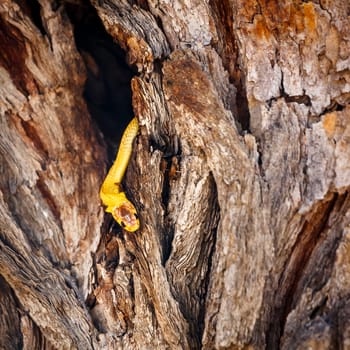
x,y
240,173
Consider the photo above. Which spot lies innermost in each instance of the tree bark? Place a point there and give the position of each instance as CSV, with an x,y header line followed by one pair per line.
x,y
240,174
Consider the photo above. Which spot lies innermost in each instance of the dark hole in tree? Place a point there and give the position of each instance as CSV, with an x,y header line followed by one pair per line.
x,y
107,88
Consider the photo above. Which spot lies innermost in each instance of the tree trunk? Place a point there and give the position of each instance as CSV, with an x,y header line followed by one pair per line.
x,y
240,174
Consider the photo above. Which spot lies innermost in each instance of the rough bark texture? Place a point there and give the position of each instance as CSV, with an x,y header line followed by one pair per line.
x,y
240,173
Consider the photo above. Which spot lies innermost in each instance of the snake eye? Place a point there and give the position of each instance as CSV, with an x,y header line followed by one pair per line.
x,y
136,216
122,224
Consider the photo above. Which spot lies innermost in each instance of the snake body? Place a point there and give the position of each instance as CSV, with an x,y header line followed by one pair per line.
x,y
122,210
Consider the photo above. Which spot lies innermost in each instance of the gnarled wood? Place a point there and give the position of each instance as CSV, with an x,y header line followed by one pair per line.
x,y
240,175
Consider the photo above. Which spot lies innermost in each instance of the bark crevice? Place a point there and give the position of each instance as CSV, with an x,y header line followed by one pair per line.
x,y
292,281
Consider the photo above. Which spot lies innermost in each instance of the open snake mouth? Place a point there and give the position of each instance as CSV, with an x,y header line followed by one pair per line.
x,y
126,216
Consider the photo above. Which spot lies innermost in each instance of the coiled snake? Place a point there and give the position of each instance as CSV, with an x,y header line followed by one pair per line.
x,y
122,210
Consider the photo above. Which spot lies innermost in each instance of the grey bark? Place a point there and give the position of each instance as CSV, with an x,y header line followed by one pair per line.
x,y
240,175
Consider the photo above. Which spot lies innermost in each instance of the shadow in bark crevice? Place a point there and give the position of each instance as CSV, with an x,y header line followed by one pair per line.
x,y
170,168
295,278
108,85
228,49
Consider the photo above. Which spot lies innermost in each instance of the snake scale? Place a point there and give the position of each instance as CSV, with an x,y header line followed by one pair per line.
x,y
122,210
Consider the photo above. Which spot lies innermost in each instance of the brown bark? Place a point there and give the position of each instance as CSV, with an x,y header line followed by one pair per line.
x,y
240,175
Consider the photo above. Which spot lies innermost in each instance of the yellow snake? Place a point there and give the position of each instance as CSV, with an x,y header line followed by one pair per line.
x,y
118,205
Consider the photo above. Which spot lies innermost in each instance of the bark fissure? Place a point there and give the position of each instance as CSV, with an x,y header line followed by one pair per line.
x,y
300,99
309,237
32,8
230,55
170,168
33,136
12,58
49,199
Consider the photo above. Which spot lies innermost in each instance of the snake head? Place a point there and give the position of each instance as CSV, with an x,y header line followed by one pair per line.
x,y
126,216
